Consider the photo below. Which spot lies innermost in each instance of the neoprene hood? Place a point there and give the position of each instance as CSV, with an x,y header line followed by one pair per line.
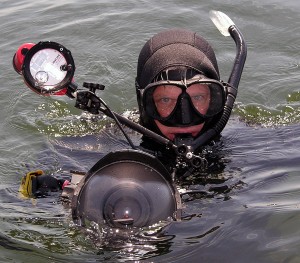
x,y
175,47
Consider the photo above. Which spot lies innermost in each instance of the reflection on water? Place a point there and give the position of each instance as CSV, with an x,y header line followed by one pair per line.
x,y
247,212
284,114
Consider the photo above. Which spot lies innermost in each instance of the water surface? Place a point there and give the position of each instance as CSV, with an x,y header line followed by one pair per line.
x,y
254,220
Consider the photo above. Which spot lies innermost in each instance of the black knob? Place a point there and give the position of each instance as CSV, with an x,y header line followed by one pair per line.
x,y
93,86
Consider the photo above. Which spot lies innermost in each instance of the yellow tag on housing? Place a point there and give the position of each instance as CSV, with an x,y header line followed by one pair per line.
x,y
26,183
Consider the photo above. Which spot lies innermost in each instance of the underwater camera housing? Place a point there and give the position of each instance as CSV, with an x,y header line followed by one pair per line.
x,y
127,188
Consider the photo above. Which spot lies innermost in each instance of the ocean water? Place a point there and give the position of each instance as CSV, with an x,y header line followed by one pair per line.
x,y
256,217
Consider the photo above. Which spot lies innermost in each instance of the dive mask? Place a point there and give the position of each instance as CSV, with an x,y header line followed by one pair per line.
x,y
180,103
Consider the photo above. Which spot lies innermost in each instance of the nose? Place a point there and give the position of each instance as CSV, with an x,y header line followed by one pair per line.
x,y
185,109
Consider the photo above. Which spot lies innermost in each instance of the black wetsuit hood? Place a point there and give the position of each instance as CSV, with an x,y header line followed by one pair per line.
x,y
175,47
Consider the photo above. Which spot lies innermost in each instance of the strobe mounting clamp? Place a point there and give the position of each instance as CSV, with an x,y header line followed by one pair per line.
x,y
88,100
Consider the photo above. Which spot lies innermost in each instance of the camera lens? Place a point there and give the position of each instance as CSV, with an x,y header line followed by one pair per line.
x,y
127,205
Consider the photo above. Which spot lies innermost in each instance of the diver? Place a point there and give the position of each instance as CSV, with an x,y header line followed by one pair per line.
x,y
183,106
178,88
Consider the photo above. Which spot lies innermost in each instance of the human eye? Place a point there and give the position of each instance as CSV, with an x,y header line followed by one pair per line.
x,y
199,98
165,100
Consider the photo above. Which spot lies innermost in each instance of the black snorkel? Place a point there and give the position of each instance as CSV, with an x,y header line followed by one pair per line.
x,y
227,28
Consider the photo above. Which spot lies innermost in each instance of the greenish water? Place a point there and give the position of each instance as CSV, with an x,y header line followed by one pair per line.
x,y
255,221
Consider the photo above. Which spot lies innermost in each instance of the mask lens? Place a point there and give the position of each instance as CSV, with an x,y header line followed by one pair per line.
x,y
200,97
217,99
204,98
165,98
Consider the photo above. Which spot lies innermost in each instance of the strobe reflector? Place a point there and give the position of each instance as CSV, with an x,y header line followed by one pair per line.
x,y
47,67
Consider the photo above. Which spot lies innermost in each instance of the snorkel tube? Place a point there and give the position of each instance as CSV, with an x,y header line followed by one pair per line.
x,y
227,28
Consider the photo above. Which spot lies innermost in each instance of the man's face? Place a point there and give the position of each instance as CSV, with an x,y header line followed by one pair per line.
x,y
166,98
